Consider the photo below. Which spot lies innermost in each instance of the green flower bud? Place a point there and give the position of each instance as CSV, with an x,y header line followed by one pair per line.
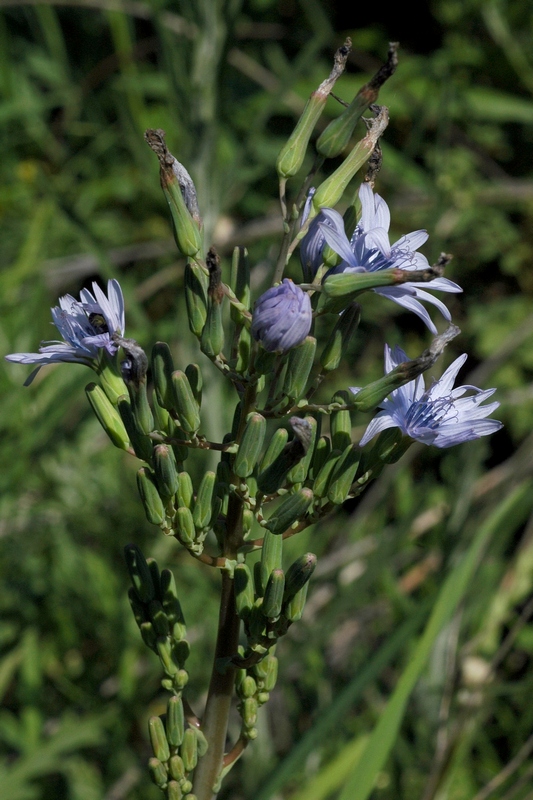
x,y
250,446
201,741
175,722
162,369
335,138
203,507
322,451
189,750
292,154
139,611
271,557
158,618
158,739
166,475
148,635
331,190
240,281
196,381
244,590
185,525
158,773
172,606
249,711
272,671
151,500
346,284
140,574
196,282
273,598
185,403
141,444
335,349
140,407
248,687
107,416
185,489
294,608
341,423
180,194
212,337
299,472
176,768
262,698
344,474
299,366
273,476
186,786
277,442
290,511
247,520
321,483
164,651
174,791
298,575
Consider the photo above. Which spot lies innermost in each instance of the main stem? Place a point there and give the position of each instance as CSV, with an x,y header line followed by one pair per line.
x,y
215,719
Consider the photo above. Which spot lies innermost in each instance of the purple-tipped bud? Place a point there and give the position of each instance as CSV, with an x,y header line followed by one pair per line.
x,y
282,317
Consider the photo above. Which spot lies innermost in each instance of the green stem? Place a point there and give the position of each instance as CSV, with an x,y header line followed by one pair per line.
x,y
215,719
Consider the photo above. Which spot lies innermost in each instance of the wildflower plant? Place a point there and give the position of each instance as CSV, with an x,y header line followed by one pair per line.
x,y
287,461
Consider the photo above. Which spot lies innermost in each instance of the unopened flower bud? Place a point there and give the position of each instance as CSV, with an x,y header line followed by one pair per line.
x,y
282,317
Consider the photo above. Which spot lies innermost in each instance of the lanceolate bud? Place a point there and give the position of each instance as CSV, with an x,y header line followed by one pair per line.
x,y
185,525
321,483
299,366
185,490
185,403
240,280
158,739
250,446
292,154
330,192
244,590
203,509
189,750
141,444
107,416
344,474
158,772
162,369
151,499
175,721
336,136
165,470
299,472
322,451
140,574
196,282
194,376
290,511
341,424
298,575
340,336
174,791
180,193
273,598
271,557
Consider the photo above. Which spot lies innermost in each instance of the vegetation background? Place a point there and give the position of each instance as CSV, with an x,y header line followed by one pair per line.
x,y
449,710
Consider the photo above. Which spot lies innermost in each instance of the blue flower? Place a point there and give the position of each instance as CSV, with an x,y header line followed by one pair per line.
x,y
370,250
440,415
282,317
87,326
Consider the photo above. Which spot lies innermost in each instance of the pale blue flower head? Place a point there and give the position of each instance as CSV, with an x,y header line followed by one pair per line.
x,y
369,250
440,415
87,327
282,317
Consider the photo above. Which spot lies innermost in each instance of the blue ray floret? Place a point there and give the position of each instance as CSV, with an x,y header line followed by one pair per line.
x,y
282,317
369,250
87,326
440,415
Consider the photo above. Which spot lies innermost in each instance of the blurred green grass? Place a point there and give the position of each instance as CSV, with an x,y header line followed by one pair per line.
x,y
80,201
